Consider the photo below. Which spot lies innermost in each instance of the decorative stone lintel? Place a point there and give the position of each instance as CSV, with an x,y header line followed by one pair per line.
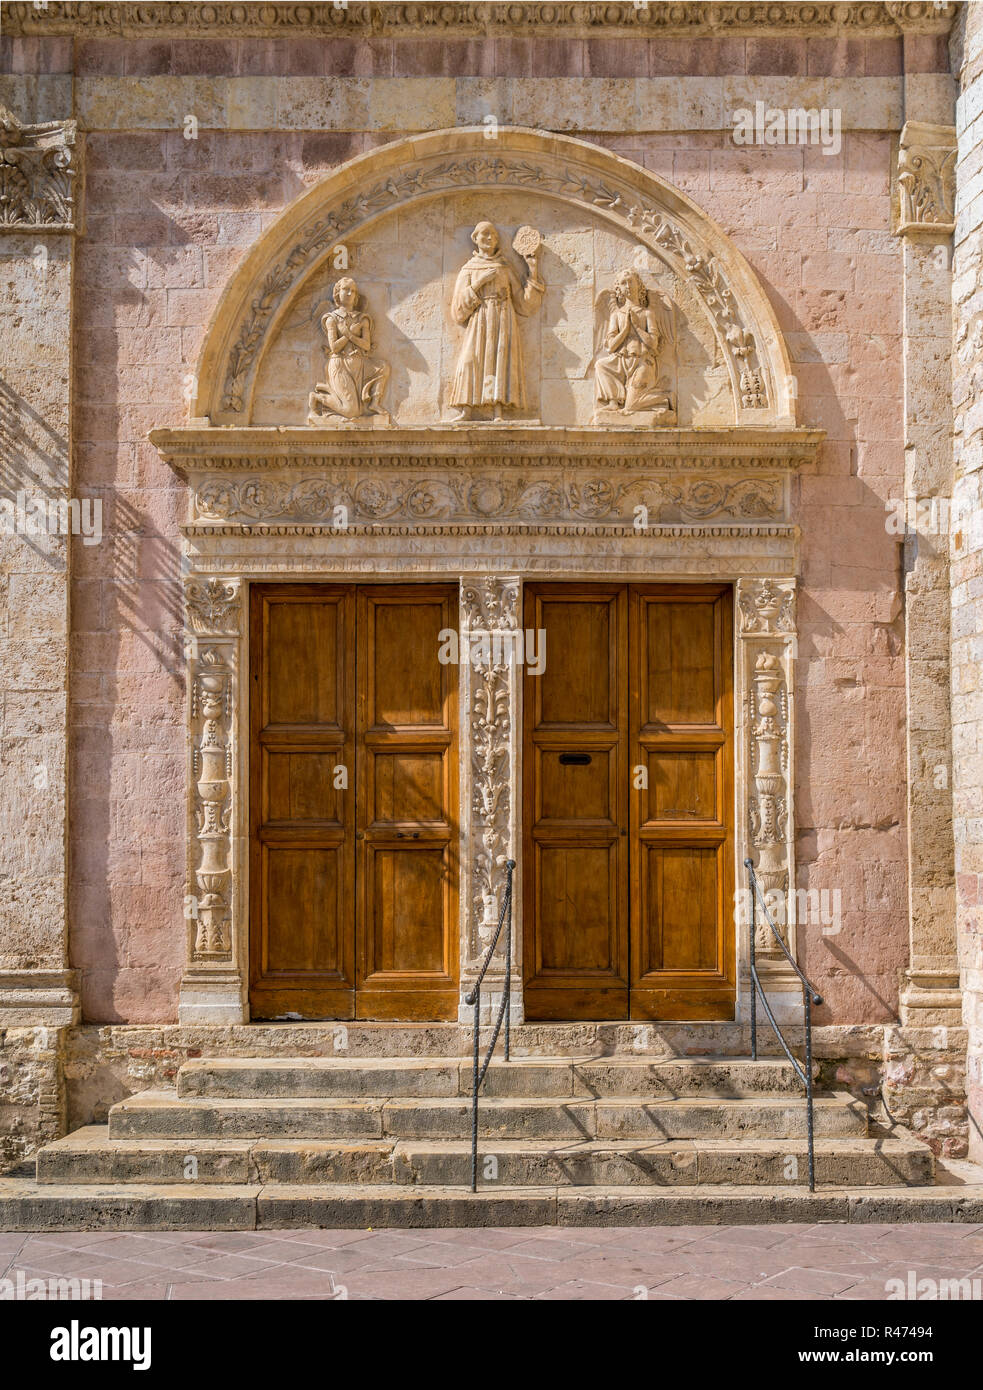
x,y
38,169
926,181
689,19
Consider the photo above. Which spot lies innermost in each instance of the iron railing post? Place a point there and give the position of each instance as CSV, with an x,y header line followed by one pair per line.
x,y
809,997
809,1116
754,973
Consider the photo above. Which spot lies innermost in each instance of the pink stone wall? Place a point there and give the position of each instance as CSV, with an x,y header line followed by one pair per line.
x,y
166,222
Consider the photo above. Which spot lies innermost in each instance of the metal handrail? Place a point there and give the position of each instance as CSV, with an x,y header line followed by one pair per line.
x,y
504,1011
809,997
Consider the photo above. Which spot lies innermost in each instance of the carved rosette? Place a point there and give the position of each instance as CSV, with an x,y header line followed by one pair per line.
x,y
213,618
927,181
489,607
37,175
766,609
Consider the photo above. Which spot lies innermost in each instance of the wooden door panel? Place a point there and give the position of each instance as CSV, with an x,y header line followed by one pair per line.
x,y
306,887
407,836
575,798
305,644
578,921
302,819
682,924
628,803
353,802
408,891
676,661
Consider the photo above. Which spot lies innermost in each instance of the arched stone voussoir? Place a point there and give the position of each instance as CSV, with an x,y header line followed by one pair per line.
x,y
545,166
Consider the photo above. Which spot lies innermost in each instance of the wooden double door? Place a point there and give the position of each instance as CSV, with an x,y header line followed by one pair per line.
x,y
628,804
353,802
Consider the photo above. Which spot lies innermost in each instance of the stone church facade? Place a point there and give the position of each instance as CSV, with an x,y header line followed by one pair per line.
x,y
536,330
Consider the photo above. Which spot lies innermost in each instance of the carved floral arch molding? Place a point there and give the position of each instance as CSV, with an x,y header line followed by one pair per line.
x,y
413,170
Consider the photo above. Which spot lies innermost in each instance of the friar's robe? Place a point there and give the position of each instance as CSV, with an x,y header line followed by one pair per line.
x,y
489,366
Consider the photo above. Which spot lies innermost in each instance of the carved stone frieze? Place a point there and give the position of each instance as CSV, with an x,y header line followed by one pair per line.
x,y
212,607
489,608
37,175
926,180
685,18
462,495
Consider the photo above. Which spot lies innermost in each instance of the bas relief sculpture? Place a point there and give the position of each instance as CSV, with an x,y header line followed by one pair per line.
x,y
634,331
354,381
628,381
488,298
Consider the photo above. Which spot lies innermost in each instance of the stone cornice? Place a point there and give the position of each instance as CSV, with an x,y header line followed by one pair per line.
x,y
277,448
38,168
106,18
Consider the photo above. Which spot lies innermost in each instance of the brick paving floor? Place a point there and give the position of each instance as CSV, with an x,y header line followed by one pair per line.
x,y
826,1262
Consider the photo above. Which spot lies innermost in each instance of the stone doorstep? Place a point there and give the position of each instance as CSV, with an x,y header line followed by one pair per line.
x,y
163,1115
92,1157
26,1205
348,1078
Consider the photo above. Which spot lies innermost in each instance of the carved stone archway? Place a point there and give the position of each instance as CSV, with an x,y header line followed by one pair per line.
x,y
490,506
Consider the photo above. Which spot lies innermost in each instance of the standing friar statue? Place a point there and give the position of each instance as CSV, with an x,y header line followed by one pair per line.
x,y
488,298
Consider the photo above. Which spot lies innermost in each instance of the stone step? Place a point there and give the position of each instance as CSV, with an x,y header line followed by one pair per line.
x,y
91,1156
350,1078
26,1205
164,1115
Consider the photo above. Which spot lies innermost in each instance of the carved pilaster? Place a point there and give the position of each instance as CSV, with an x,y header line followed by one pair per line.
x,y
490,692
926,181
766,609
212,989
37,175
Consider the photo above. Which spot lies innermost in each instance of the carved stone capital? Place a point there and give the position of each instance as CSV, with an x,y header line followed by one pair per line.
x,y
926,181
38,167
767,606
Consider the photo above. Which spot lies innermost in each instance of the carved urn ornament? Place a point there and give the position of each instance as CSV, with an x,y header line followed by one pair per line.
x,y
488,298
354,382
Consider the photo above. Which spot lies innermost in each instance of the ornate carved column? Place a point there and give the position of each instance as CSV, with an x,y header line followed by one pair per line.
x,y
490,734
925,222
767,639
38,166
213,987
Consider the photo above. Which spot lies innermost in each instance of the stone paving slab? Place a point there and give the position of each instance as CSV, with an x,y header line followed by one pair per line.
x,y
800,1261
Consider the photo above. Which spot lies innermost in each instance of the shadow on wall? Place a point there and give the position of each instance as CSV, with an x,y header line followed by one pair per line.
x,y
127,698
